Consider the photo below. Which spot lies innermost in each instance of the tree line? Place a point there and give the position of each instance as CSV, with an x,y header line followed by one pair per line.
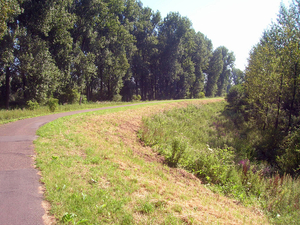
x,y
105,50
269,99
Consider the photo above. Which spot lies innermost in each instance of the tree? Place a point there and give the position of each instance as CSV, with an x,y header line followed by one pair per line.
x,y
201,57
9,9
237,76
37,70
171,72
213,73
9,30
228,62
51,21
112,44
143,77
272,92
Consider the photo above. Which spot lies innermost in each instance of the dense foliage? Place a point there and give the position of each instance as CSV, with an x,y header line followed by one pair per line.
x,y
267,105
105,50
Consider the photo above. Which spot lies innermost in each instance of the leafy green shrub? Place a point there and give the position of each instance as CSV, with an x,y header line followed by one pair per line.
x,y
69,96
52,104
235,94
201,95
136,98
289,158
32,105
84,99
117,98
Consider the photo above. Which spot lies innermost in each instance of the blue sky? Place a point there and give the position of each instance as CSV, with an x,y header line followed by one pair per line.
x,y
235,24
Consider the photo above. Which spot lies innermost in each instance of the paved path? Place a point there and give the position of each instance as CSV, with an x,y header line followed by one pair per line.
x,y
20,198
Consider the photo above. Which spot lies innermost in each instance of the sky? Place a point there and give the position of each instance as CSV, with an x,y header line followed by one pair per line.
x,y
236,24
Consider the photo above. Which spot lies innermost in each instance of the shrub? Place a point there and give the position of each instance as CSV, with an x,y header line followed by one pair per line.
x,y
117,98
52,104
84,99
235,96
136,98
70,96
201,95
289,156
32,105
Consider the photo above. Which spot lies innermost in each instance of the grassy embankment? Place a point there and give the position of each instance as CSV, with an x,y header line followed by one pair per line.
x,y
7,116
204,140
96,171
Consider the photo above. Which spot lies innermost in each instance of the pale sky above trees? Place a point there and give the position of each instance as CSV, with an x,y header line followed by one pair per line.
x,y
235,24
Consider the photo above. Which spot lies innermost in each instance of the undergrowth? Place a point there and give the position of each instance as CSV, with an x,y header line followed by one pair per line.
x,y
204,141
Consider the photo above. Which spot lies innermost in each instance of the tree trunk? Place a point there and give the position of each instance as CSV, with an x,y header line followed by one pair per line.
x,y
294,95
7,89
279,102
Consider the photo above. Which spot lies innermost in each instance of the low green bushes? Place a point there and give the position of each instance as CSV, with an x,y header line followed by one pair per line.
x,y
32,105
136,98
52,104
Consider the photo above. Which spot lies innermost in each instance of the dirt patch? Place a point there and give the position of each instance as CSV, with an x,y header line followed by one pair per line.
x,y
47,217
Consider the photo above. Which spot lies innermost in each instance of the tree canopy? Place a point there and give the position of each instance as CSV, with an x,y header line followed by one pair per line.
x,y
105,50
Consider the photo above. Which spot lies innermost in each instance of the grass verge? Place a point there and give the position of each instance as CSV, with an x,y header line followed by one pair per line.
x,y
7,116
96,171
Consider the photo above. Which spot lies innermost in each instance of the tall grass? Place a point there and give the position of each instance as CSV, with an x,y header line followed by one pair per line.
x,y
204,141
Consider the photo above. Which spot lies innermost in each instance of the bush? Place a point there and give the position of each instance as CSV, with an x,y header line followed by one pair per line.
x,y
288,158
52,104
70,96
32,105
201,95
84,99
117,98
235,95
136,98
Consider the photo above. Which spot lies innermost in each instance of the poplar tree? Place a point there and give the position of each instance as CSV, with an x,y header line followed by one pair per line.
x,y
228,59
213,72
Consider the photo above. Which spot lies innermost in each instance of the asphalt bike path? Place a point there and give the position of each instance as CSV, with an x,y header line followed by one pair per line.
x,y
20,190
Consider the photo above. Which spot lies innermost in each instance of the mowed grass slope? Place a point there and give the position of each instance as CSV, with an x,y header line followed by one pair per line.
x,y
7,116
96,171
